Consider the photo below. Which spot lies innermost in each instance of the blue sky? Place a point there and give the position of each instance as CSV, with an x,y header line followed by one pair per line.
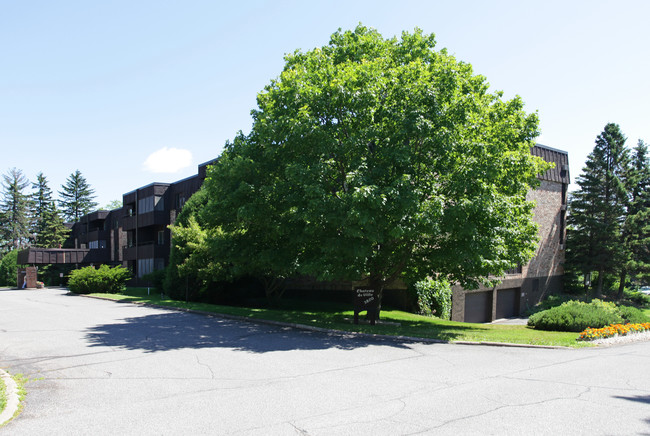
x,y
128,91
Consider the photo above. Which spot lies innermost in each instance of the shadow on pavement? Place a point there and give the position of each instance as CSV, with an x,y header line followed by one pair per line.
x,y
638,398
176,330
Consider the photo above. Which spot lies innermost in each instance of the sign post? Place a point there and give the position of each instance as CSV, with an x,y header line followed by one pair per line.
x,y
365,299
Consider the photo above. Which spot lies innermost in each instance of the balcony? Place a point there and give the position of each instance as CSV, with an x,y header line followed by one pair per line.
x,y
145,250
155,218
128,222
98,235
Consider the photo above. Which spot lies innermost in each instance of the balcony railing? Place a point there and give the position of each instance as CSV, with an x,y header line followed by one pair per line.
x,y
155,218
145,250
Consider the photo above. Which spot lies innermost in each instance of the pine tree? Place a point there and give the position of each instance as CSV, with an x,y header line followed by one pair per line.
x,y
636,230
76,197
598,209
15,207
41,201
51,232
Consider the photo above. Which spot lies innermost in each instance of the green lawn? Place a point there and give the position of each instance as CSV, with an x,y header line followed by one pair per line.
x,y
339,317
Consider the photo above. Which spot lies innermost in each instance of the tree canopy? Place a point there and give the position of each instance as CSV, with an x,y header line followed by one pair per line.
x,y
15,211
608,224
376,159
47,224
637,222
114,204
76,197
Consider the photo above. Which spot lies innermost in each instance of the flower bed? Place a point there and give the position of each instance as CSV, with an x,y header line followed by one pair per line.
x,y
612,330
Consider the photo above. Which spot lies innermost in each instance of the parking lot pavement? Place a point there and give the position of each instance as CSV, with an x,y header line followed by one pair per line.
x,y
100,367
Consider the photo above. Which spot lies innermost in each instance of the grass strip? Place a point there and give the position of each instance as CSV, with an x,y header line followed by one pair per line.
x,y
3,395
338,316
21,380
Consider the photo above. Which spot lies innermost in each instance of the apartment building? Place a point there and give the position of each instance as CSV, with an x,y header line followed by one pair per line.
x,y
137,236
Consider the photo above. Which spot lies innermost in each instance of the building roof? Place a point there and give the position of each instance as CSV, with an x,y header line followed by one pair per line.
x,y
560,173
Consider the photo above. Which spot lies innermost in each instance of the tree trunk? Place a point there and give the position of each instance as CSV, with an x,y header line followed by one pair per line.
x,y
621,286
273,288
377,285
599,286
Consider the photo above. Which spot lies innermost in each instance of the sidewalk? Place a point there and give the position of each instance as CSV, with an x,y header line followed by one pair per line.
x,y
511,321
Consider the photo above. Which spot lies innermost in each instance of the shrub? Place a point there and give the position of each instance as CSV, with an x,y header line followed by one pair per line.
x,y
102,280
434,297
575,316
9,269
638,298
155,278
549,302
633,315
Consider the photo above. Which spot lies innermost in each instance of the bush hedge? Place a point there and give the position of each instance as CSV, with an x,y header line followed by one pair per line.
x,y
576,316
8,268
638,298
155,278
633,315
434,297
102,280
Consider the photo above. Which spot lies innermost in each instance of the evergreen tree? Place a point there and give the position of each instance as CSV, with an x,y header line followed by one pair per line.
x,y
76,197
41,201
15,207
636,230
51,231
598,208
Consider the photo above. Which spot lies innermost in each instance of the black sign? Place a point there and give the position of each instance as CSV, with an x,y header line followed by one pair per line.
x,y
365,299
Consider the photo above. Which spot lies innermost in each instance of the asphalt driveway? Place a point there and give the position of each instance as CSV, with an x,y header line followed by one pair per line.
x,y
100,367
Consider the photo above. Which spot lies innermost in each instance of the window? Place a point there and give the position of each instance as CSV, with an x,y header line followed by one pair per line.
x,y
97,244
151,203
145,205
159,203
145,266
180,200
515,270
161,237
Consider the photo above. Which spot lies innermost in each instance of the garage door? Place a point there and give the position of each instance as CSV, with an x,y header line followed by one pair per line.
x,y
508,302
478,307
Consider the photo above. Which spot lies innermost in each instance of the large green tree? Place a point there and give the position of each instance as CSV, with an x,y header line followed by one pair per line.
x,y
76,197
378,159
598,208
14,210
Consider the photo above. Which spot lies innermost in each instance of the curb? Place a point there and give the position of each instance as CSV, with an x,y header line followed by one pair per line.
x,y
12,397
334,332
